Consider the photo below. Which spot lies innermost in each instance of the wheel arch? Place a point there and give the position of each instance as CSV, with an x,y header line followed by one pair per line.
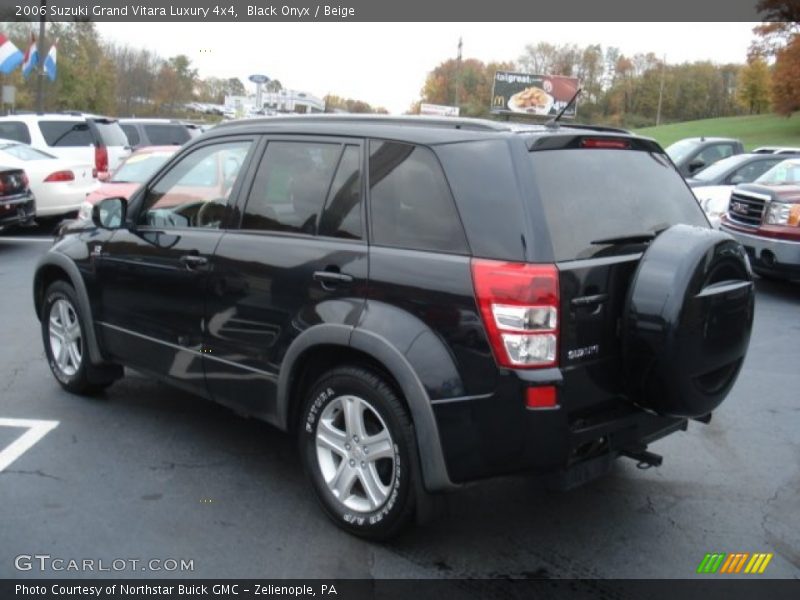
x,y
54,266
325,346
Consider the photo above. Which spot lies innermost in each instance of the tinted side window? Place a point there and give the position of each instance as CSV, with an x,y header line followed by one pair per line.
x,y
165,134
290,186
410,201
131,133
342,214
195,191
66,133
15,130
754,170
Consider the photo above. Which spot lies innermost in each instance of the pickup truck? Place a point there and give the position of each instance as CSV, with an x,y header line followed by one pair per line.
x,y
690,155
765,218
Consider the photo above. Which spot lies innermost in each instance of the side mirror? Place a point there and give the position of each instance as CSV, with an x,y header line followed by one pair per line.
x,y
696,165
110,213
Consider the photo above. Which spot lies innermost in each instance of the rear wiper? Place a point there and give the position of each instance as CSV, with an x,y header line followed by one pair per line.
x,y
634,238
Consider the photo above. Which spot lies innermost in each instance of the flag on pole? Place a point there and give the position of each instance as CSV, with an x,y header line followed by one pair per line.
x,y
50,62
31,57
10,55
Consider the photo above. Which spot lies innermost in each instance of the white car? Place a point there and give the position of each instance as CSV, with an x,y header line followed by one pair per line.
x,y
714,201
58,185
76,137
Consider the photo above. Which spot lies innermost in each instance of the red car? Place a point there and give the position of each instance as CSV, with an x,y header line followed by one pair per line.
x,y
134,170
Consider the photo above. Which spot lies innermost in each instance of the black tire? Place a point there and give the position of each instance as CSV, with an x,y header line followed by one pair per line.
x,y
80,376
768,276
687,322
326,396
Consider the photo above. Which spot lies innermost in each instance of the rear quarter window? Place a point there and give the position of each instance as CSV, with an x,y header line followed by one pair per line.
x,y
410,201
109,132
15,130
131,133
166,134
594,194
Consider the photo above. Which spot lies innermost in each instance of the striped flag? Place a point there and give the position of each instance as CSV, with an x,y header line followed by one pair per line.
x,y
31,57
50,62
10,55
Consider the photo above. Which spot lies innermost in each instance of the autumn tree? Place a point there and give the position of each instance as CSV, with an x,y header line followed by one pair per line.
x,y
474,80
779,36
754,86
786,79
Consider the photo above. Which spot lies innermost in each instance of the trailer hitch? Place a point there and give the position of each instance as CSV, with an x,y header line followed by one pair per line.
x,y
644,459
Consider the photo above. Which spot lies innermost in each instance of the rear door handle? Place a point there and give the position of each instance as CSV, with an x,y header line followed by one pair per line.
x,y
193,261
330,279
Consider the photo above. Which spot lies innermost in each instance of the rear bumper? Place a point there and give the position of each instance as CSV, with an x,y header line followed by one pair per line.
x,y
495,435
780,257
19,210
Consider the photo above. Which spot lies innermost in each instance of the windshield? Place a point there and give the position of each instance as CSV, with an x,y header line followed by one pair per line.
x,y
604,194
784,172
23,152
680,150
139,167
719,168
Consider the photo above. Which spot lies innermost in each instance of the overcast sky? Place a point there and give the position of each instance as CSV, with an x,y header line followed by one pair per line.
x,y
385,64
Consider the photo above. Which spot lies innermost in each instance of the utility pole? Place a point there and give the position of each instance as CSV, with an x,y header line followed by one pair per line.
x,y
661,91
458,70
40,66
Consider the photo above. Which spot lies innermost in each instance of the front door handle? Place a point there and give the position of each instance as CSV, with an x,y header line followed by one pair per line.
x,y
193,261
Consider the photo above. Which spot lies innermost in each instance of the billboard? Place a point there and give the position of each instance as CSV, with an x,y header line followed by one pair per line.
x,y
526,93
439,110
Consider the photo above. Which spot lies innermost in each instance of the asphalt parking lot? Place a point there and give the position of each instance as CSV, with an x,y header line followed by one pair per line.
x,y
147,472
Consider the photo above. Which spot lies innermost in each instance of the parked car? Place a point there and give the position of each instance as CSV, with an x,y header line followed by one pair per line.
x,y
776,150
17,205
713,185
131,174
422,302
76,137
692,154
765,217
158,132
58,185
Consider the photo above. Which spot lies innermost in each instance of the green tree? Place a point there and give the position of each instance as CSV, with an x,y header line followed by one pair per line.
x,y
754,87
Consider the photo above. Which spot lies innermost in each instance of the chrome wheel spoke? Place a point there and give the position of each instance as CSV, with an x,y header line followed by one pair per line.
x,y
378,446
353,418
65,337
371,482
343,481
63,356
331,438
56,329
74,354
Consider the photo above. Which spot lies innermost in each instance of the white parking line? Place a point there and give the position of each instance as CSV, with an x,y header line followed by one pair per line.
x,y
47,240
36,431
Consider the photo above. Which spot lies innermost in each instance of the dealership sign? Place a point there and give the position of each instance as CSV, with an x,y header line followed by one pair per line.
x,y
525,93
439,110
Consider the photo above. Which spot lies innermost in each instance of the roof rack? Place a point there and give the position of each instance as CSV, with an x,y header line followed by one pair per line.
x,y
412,120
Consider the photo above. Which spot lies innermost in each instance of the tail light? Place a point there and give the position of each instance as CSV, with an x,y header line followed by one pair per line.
x,y
519,304
25,180
100,160
605,143
60,176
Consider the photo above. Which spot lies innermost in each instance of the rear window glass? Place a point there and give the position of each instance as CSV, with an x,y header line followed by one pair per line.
x,y
598,194
110,132
23,152
66,133
166,134
15,130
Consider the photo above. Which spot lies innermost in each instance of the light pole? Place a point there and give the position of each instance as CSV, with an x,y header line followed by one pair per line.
x,y
458,70
40,66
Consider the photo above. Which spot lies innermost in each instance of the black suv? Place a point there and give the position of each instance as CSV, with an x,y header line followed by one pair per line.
x,y
424,303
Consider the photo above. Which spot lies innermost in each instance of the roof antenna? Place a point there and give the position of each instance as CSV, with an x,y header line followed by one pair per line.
x,y
553,123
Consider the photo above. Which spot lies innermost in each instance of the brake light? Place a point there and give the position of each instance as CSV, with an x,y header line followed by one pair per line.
x,y
605,143
25,180
60,176
100,159
519,305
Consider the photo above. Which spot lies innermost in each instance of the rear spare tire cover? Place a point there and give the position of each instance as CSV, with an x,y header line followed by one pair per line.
x,y
687,321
